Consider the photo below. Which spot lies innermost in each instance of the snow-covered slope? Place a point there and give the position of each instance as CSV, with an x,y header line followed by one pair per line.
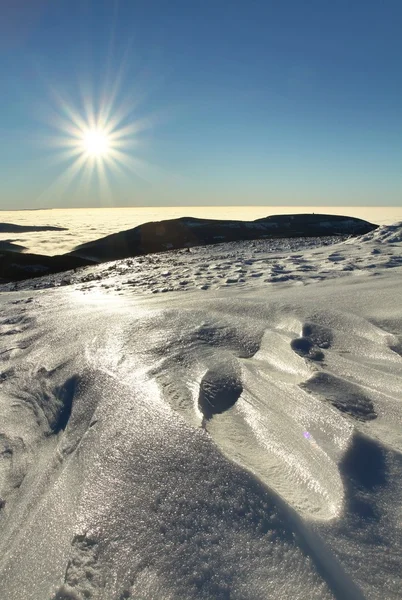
x,y
238,441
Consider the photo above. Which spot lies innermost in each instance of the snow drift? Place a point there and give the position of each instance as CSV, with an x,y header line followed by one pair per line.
x,y
241,441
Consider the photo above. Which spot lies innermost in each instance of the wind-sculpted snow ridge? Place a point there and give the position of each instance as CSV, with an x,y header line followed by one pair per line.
x,y
241,443
388,234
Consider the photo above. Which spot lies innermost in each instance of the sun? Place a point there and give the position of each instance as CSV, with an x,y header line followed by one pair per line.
x,y
96,142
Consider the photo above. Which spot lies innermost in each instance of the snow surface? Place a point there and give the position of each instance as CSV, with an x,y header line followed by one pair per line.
x,y
238,441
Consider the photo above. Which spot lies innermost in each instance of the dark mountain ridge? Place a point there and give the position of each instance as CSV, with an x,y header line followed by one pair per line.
x,y
12,228
174,234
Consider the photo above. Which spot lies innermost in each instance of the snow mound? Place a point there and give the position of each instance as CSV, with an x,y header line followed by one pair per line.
x,y
385,234
240,443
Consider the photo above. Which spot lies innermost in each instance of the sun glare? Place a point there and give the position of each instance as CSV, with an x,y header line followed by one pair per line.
x,y
96,142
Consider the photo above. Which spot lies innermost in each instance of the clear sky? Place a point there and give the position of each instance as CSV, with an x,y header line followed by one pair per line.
x,y
148,102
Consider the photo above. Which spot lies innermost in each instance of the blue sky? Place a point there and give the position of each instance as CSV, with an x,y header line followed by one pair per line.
x,y
233,102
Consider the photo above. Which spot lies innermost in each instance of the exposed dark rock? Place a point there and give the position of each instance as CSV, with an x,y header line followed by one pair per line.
x,y
188,231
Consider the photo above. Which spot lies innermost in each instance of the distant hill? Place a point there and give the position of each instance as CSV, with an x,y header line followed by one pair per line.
x,y
188,231
175,234
15,266
13,228
9,245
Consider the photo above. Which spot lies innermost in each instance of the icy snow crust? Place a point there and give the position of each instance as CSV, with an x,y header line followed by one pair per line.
x,y
240,441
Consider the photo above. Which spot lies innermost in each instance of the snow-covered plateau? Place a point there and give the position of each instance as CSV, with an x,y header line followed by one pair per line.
x,y
218,423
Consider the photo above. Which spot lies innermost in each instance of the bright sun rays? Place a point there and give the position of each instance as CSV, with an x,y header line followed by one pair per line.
x,y
96,142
